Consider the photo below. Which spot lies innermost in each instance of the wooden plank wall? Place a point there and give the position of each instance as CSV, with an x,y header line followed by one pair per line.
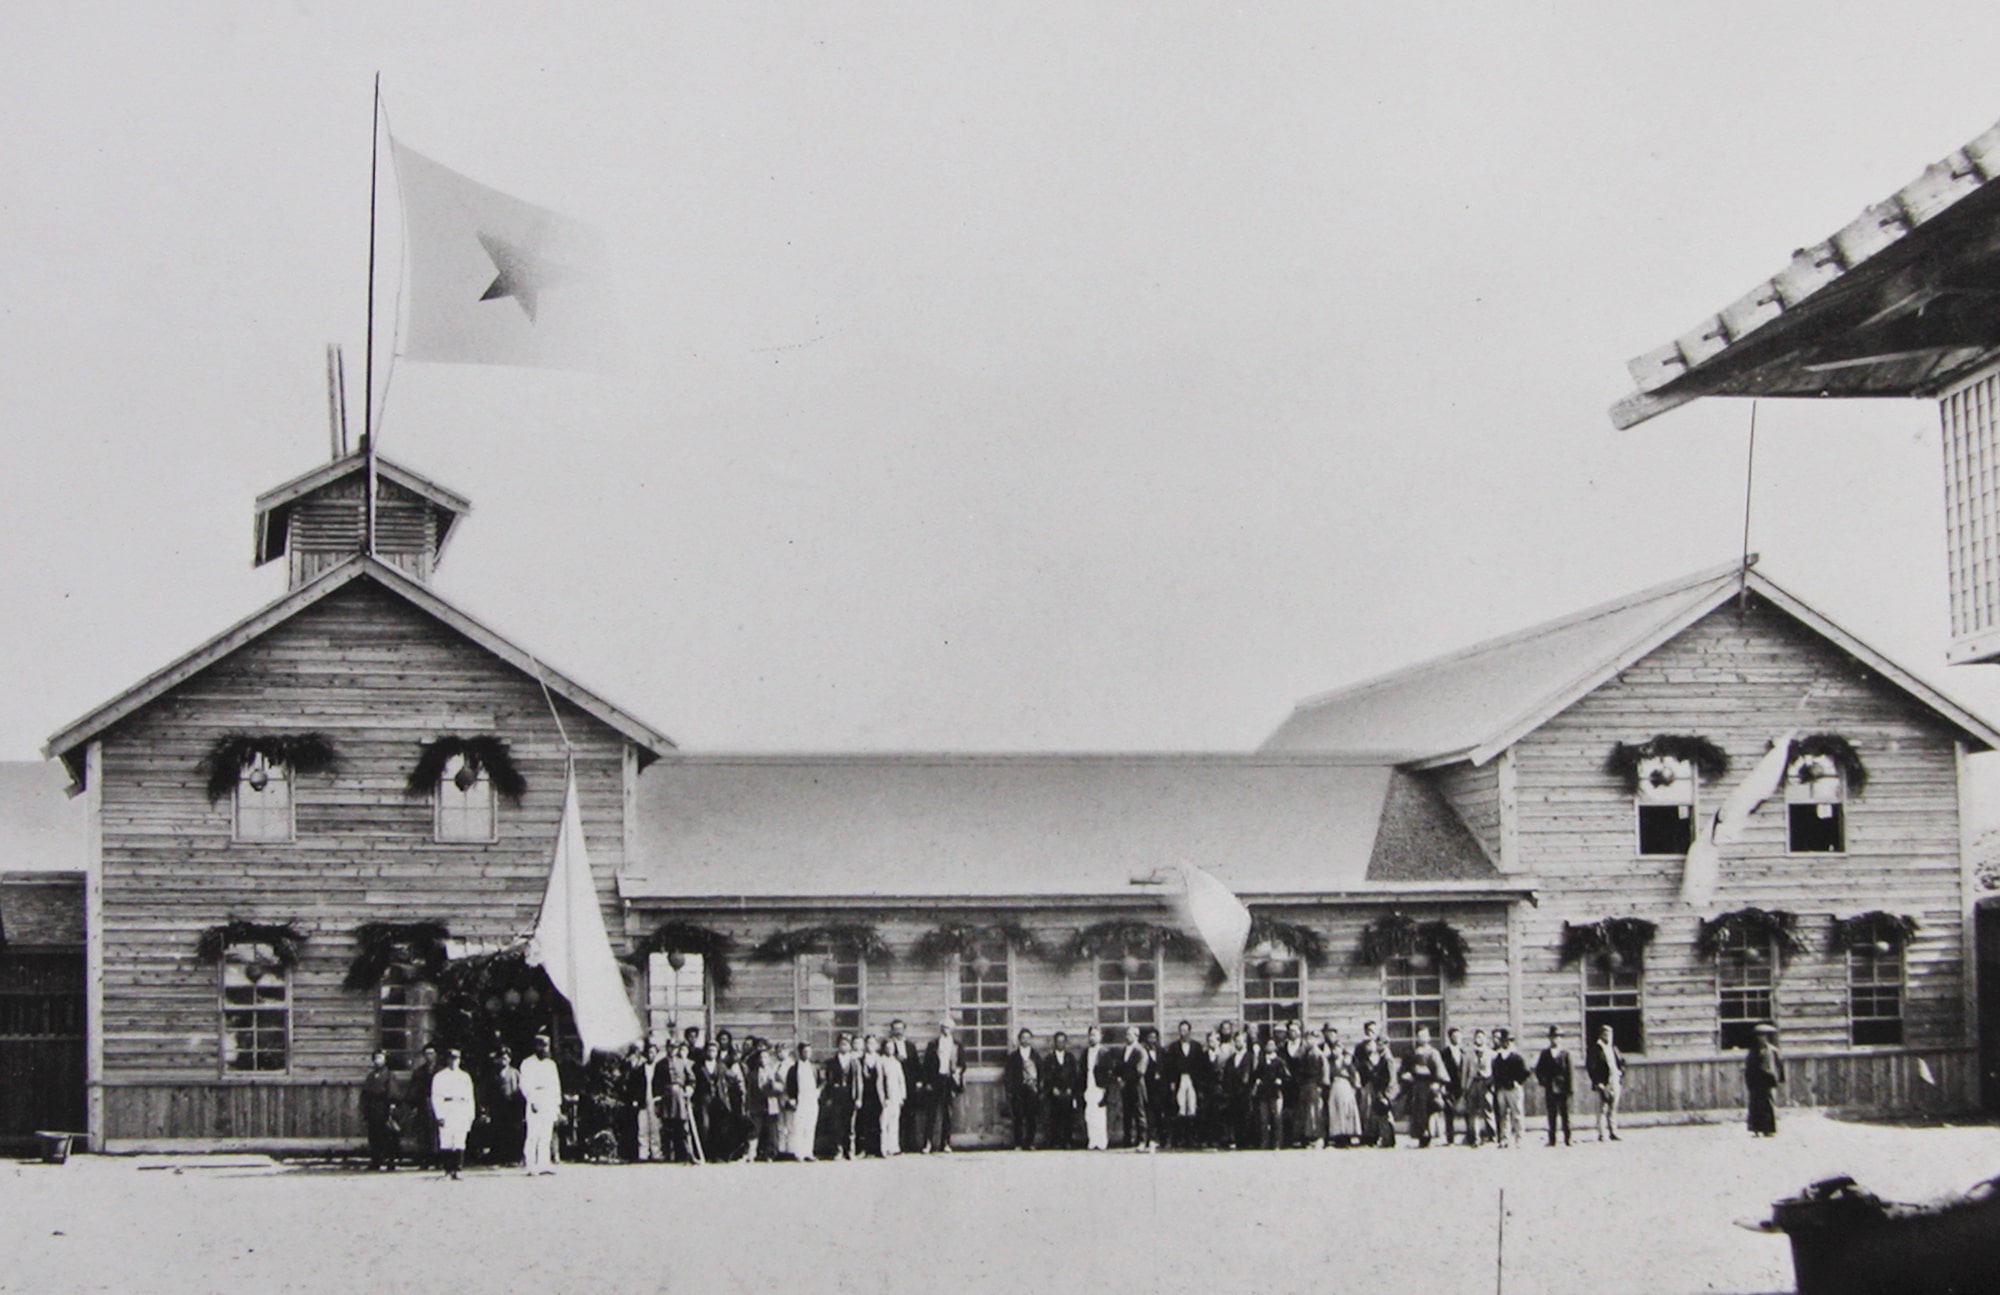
x,y
328,527
379,678
1741,683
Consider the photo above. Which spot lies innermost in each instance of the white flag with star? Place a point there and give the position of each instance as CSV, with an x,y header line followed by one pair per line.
x,y
494,280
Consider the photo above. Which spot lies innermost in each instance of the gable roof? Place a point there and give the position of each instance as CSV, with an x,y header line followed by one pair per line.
x,y
41,828
274,506
967,828
1474,703
68,744
1904,300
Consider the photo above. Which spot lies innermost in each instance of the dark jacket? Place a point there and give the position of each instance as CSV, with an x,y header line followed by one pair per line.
x,y
1556,1072
1021,1076
1510,1069
1600,1062
932,1075
1105,1073
1062,1079
1193,1063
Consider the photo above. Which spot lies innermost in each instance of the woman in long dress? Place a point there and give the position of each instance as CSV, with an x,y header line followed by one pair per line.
x,y
1343,1108
453,1107
891,1087
802,1101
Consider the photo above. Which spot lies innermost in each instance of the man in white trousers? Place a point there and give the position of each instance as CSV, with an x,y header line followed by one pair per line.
x,y
541,1089
1100,1068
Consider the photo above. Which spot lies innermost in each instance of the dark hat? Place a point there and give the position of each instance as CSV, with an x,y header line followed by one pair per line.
x,y
1555,1030
1765,1027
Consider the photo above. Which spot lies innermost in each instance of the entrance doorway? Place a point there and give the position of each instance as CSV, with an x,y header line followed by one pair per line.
x,y
41,1044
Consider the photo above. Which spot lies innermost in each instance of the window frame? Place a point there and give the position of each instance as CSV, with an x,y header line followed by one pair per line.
x,y
1684,774
276,773
977,1054
1126,1004
419,1021
266,968
439,794
803,1011
1244,1001
1726,957
1390,1020
1900,985
1799,795
661,1020
1637,1010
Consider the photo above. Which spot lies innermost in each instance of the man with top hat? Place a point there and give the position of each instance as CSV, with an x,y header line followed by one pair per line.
x,y
1555,1071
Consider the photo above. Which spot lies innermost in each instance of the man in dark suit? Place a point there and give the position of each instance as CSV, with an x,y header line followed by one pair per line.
x,y
1062,1091
1605,1065
844,1080
1555,1071
1187,1073
1134,1080
941,1078
1021,1085
1375,1075
1453,1094
1236,1122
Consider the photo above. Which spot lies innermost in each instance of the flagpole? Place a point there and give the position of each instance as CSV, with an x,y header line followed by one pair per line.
x,y
368,365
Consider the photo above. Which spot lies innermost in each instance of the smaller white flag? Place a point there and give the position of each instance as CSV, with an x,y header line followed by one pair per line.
x,y
1924,1072
1216,915
571,945
1702,872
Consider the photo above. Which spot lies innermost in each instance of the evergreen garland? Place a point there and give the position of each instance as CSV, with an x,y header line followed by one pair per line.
x,y
1752,928
711,946
1833,748
284,939
382,945
1709,760
488,755
860,937
1608,942
1398,935
1127,935
1302,942
234,752
1887,932
952,940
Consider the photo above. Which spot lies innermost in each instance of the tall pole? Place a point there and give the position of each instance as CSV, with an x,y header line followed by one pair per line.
x,y
368,365
1749,479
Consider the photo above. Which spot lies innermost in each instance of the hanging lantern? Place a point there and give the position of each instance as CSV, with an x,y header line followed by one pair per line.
x,y
1419,960
493,1005
1614,960
260,776
1884,948
1269,968
676,959
531,996
253,972
1130,966
465,777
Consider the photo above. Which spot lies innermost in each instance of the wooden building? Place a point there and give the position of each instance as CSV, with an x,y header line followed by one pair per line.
x,y
1493,838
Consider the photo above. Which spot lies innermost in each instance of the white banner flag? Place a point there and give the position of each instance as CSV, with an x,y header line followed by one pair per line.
x,y
570,943
1216,915
1702,872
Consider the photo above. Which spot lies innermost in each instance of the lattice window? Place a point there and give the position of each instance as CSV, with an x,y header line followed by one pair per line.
x,y
981,1005
830,995
1815,807
1875,996
1665,805
256,1012
1746,979
1128,995
1274,990
466,810
1412,996
1612,996
1971,418
676,997
264,801
403,1005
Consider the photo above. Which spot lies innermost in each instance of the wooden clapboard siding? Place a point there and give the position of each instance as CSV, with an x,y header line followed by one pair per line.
x,y
328,527
1741,682
213,1110
1881,1081
379,678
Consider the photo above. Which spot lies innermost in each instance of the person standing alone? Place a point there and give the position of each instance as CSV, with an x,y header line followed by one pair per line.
x,y
1605,1065
1555,1071
542,1091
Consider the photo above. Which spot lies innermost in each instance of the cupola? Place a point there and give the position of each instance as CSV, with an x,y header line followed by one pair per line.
x,y
321,519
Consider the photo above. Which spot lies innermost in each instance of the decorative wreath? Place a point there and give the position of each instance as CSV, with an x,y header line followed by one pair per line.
x,y
1815,756
382,945
1879,931
677,939
284,939
953,940
235,752
1753,929
1611,942
859,937
1398,935
1709,760
1129,938
488,755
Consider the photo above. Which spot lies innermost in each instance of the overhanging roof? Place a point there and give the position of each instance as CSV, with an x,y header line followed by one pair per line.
x,y
1475,703
274,506
1001,828
68,744
1903,301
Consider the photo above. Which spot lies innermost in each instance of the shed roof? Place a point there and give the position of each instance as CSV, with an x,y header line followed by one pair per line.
x,y
274,505
975,827
1903,301
41,827
69,743
1474,703
41,910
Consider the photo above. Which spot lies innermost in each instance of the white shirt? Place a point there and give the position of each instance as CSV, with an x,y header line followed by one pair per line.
x,y
541,1084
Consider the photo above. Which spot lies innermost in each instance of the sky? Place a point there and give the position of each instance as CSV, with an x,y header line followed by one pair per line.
x,y
1010,377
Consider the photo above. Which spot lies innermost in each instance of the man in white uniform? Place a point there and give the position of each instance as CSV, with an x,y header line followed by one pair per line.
x,y
541,1089
453,1107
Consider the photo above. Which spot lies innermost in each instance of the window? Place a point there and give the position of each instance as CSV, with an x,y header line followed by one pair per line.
x,y
1412,995
1611,997
1815,806
1274,990
676,997
1665,805
1128,995
403,1015
1875,996
264,801
1745,978
465,804
979,1005
828,995
256,1011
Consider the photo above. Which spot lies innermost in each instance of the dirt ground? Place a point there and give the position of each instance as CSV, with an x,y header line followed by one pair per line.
x,y
1650,1214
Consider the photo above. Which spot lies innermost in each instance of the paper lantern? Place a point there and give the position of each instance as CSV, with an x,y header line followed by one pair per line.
x,y
676,959
465,777
1884,947
513,997
493,1005
1130,966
